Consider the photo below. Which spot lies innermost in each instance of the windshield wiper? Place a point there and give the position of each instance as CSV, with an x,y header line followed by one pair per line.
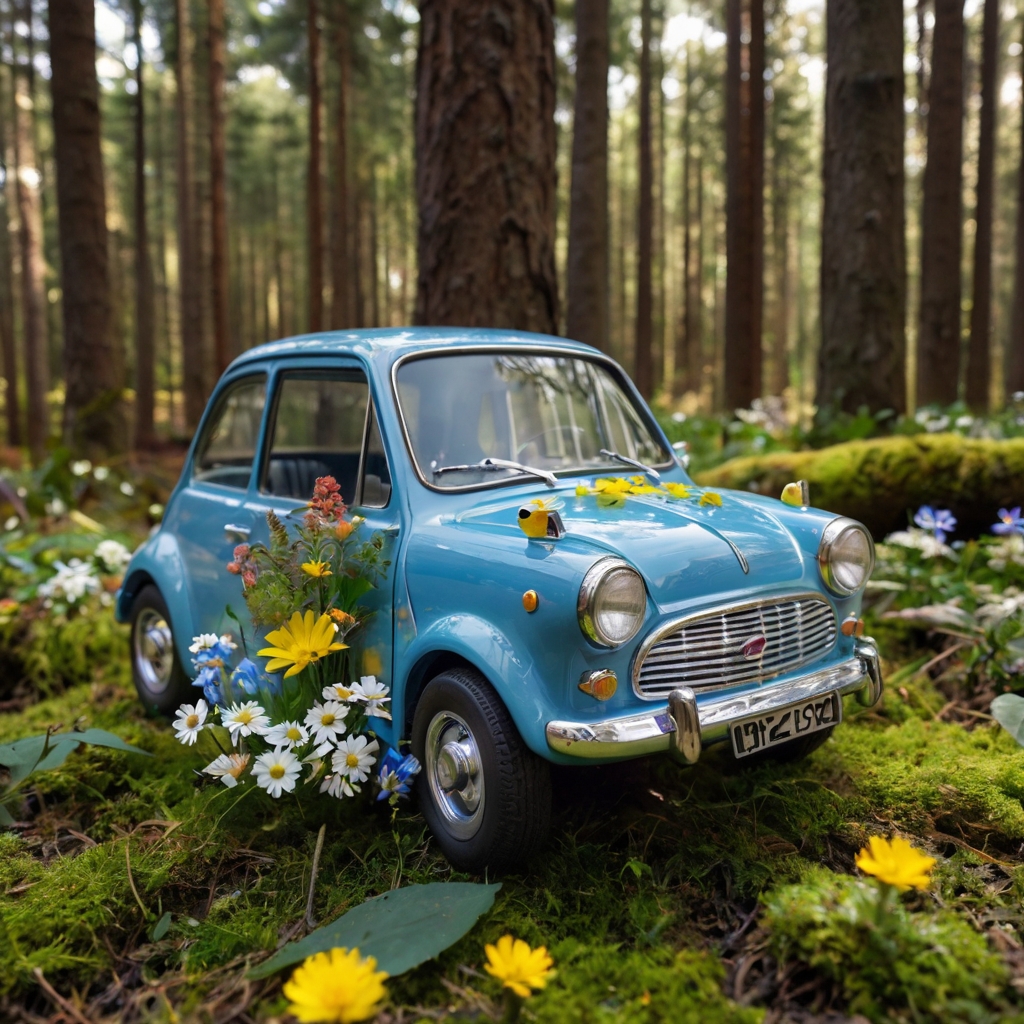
x,y
493,464
626,460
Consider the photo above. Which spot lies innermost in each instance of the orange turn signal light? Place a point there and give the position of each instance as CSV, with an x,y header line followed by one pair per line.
x,y
852,626
531,600
601,685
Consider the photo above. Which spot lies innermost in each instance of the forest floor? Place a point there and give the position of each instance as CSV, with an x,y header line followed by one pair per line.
x,y
664,894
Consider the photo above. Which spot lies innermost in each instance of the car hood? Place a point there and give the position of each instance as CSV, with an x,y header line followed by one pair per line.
x,y
683,549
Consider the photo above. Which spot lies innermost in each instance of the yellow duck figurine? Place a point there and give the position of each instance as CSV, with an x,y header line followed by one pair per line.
x,y
533,517
796,494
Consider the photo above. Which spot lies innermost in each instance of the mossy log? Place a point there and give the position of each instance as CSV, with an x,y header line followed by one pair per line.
x,y
882,482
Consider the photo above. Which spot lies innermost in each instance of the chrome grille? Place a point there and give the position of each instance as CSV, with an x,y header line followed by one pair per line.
x,y
706,651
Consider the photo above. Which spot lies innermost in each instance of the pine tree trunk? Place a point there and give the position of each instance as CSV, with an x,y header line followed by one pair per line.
x,y
978,358
695,293
222,348
643,371
938,333
93,416
145,322
27,187
314,185
193,377
586,292
340,308
683,340
1015,346
745,203
779,377
162,288
863,254
485,164
8,344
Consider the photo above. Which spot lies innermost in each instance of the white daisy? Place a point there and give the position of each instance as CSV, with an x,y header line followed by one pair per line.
x,y
203,642
227,768
339,691
276,771
190,720
354,758
246,719
338,786
226,641
375,695
287,734
327,721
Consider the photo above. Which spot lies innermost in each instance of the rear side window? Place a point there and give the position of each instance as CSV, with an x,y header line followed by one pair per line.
x,y
227,447
319,424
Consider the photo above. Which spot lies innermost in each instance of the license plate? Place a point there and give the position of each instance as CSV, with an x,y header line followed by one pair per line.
x,y
784,724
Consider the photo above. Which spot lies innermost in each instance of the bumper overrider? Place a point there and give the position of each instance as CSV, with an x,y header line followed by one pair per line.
x,y
684,727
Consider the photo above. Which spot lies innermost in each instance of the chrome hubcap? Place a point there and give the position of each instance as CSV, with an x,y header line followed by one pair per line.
x,y
454,773
154,650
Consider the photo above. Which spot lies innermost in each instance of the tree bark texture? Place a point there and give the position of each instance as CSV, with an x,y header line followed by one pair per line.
x,y
979,366
340,278
8,343
938,332
1015,347
485,164
863,255
643,365
681,359
28,193
744,201
586,300
189,276
218,190
93,416
314,182
145,318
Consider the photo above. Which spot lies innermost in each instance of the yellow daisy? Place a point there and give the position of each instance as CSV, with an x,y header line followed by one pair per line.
x,y
517,966
897,863
339,987
711,498
677,490
317,569
300,642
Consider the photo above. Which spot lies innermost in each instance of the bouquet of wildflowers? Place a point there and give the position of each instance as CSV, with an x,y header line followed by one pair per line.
x,y
298,717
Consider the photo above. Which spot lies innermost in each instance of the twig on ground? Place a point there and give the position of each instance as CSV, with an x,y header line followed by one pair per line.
x,y
68,1007
131,881
310,920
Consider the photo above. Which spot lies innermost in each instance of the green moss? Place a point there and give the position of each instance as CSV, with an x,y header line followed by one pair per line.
x,y
923,966
879,481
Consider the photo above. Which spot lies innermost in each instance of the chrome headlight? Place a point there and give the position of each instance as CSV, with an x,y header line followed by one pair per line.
x,y
612,602
846,556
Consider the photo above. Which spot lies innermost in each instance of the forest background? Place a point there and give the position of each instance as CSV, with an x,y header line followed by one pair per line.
x,y
199,176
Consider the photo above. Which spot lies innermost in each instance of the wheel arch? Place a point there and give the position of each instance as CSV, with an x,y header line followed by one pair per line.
x,y
429,665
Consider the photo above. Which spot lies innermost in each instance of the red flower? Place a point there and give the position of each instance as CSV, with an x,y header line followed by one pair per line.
x,y
241,552
234,568
249,578
327,501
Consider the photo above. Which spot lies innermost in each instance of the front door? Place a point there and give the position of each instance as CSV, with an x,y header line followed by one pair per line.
x,y
323,423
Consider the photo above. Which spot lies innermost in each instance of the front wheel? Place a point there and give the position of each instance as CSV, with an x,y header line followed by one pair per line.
x,y
159,678
486,796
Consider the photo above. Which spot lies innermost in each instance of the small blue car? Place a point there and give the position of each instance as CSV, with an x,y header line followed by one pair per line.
x,y
559,590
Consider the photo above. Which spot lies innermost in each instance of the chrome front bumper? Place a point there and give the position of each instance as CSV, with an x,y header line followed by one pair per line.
x,y
686,727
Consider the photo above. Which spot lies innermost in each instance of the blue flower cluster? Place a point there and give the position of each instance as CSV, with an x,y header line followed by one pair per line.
x,y
938,521
1010,522
210,661
396,774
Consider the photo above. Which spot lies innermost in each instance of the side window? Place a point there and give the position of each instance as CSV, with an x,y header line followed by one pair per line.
x,y
318,430
376,489
227,448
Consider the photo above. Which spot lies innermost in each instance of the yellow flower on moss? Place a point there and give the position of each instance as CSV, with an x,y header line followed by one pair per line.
x,y
340,986
317,569
304,639
517,966
677,490
897,863
710,498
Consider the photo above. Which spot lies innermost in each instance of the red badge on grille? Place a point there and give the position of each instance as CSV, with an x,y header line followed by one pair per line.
x,y
754,647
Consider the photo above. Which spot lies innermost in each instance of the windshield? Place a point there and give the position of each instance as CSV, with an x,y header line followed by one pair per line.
x,y
552,413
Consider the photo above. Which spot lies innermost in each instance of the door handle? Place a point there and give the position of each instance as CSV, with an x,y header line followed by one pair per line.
x,y
234,530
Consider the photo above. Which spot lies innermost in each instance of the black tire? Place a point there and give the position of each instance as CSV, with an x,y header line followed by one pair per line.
x,y
787,753
511,818
161,682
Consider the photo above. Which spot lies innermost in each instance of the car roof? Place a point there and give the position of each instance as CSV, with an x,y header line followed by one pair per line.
x,y
372,342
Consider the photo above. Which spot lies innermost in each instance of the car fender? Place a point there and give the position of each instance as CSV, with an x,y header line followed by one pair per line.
x,y
159,561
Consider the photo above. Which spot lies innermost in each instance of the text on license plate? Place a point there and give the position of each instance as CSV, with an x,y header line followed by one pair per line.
x,y
785,724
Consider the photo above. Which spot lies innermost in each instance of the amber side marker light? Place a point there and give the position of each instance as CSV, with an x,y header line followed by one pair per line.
x,y
601,685
531,600
852,626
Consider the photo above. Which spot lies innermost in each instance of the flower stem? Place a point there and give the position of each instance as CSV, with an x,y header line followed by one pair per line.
x,y
882,909
513,1004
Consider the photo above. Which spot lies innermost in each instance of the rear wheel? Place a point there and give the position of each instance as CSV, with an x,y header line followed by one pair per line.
x,y
159,678
486,796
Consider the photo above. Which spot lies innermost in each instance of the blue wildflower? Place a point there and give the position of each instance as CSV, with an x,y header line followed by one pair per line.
x,y
396,774
1009,522
248,678
939,521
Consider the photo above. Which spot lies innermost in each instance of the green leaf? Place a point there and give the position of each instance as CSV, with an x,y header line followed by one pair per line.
x,y
5,817
102,738
402,928
62,745
1008,711
26,751
161,928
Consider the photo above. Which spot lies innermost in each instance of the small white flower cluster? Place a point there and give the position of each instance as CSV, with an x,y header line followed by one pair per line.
x,y
113,556
72,582
920,540
278,769
1008,551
